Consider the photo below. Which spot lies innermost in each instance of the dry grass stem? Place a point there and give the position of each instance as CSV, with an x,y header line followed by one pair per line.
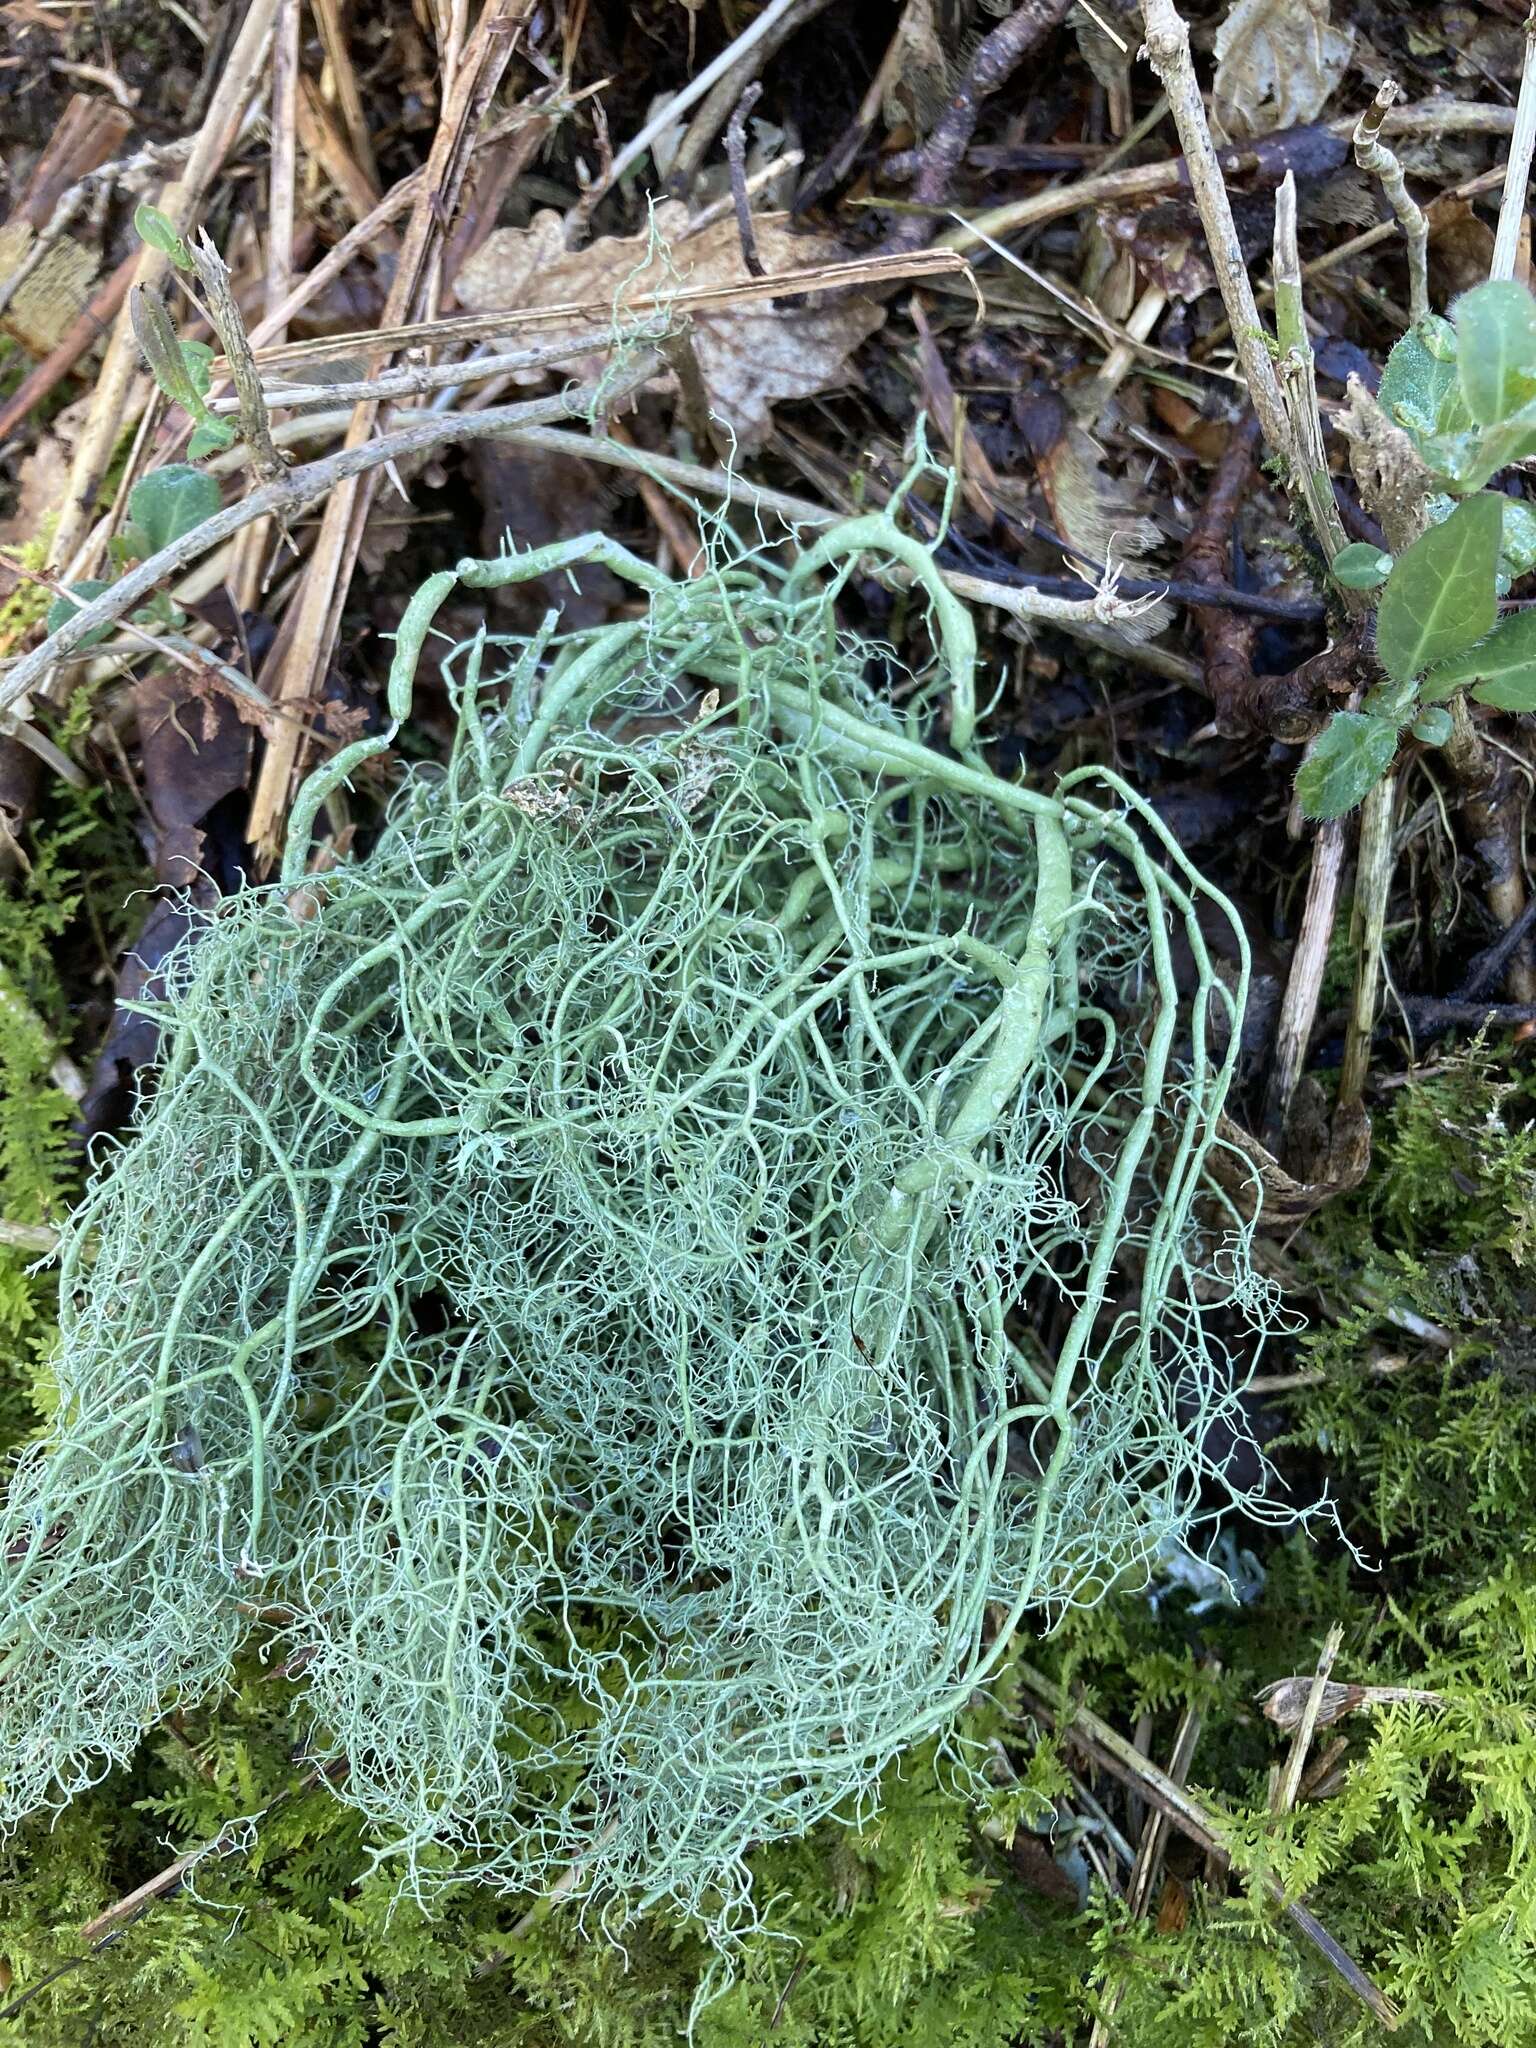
x,y
1517,177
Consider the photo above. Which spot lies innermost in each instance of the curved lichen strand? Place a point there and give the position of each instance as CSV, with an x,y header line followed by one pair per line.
x,y
581,1278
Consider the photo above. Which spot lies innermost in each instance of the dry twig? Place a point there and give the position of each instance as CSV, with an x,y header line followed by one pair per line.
x,y
997,57
329,573
291,494
1122,1760
1376,160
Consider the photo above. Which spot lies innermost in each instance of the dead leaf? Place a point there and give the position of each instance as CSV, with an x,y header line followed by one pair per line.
x,y
749,356
1094,512
1277,62
1460,248
538,498
43,478
921,71
51,297
1285,1701
1167,243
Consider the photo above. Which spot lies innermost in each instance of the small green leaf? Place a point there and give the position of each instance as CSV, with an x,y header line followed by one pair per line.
x,y
1509,693
159,231
161,610
1469,458
1440,596
1348,758
1433,726
1496,352
1517,543
198,358
1419,388
157,341
127,545
1360,566
170,502
1505,662
64,608
212,434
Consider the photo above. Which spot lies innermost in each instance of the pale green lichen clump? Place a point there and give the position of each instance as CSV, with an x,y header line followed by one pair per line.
x,y
615,1281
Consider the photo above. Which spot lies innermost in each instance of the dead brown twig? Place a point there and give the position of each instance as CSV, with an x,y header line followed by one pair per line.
x,y
938,161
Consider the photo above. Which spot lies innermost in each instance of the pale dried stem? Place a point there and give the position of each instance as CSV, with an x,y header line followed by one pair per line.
x,y
1168,49
281,166
1377,161
282,172
1368,928
413,379
1517,176
1121,360
110,410
290,494
348,98
858,273
1296,1762
1298,386
329,574
325,144
1385,1367
1299,1005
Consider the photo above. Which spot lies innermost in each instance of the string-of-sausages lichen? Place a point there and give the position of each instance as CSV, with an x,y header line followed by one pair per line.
x,y
638,1281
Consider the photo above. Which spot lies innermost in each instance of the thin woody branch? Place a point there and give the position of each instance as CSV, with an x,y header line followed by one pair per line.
x,y
1168,50
290,494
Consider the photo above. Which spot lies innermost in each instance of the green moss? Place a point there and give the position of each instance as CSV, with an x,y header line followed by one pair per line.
x,y
920,1925
50,948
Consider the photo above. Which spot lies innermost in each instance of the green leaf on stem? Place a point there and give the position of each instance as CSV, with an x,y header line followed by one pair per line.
x,y
1440,596
1419,389
1348,758
160,232
1496,353
170,502
1360,566
1502,668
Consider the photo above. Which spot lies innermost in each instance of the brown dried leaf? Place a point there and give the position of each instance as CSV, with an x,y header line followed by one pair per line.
x,y
750,356
43,479
921,73
1460,248
1277,62
1285,1701
1167,243
50,299
1094,512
